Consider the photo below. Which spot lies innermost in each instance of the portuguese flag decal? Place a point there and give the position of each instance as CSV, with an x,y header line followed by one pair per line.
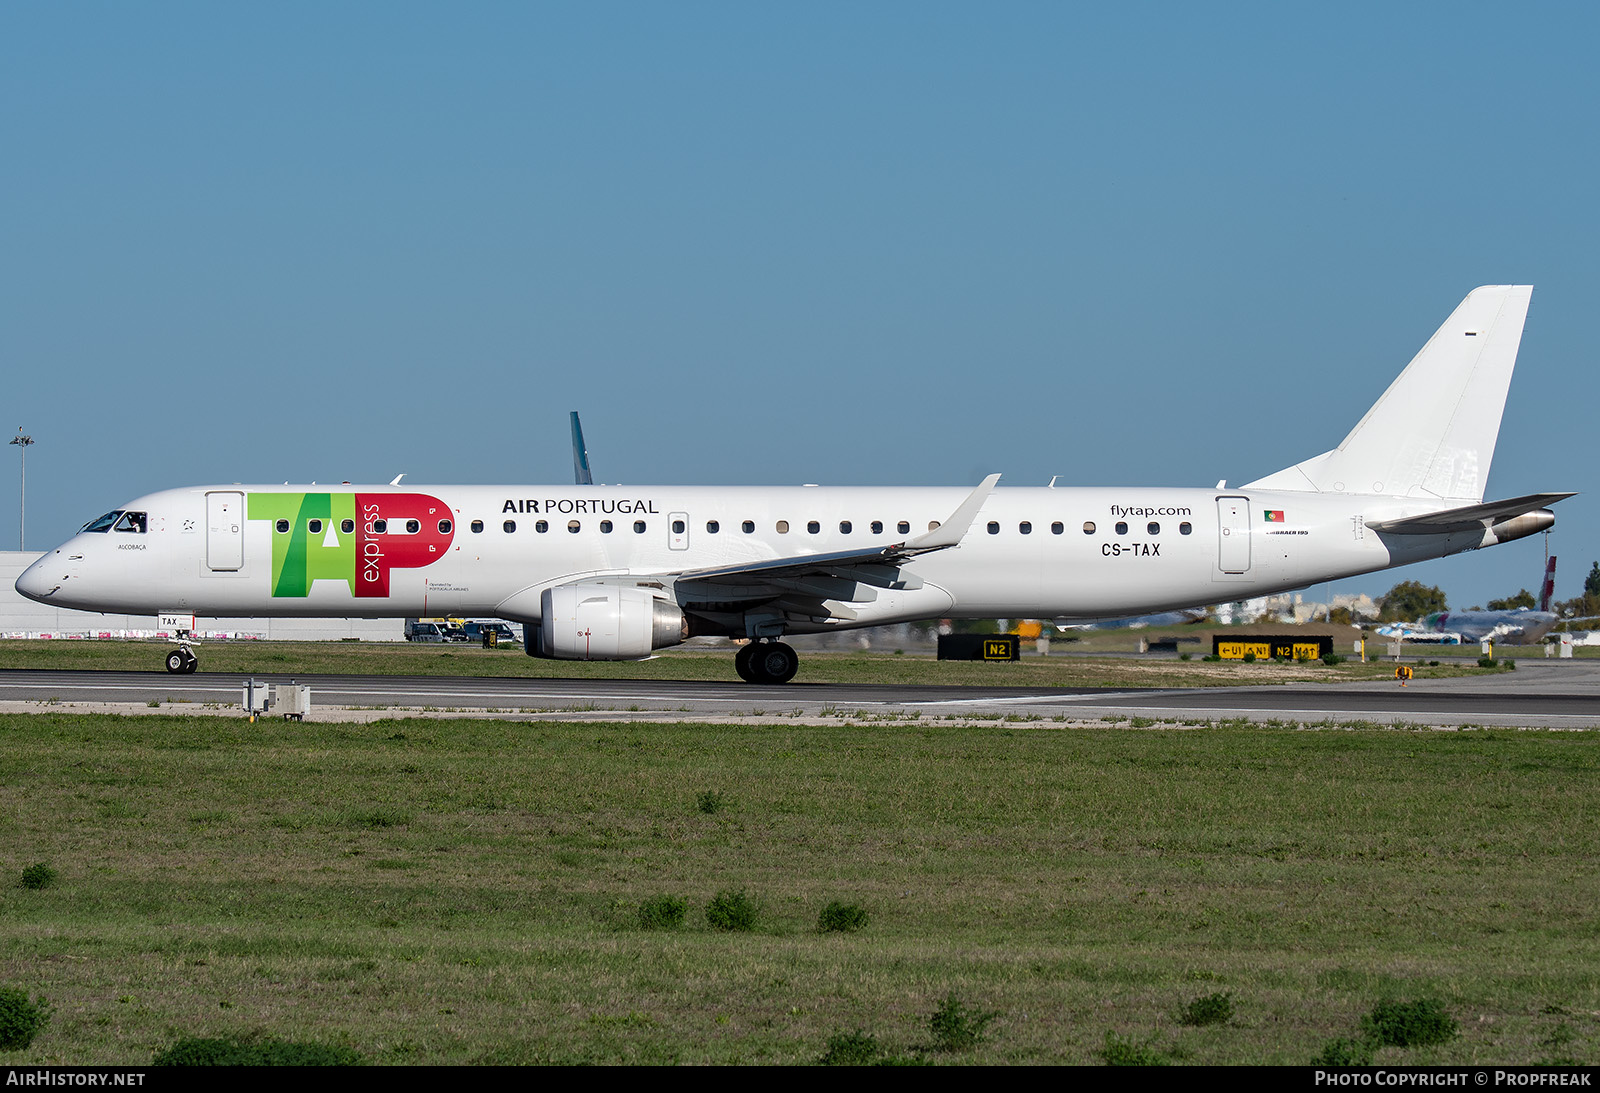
x,y
1274,516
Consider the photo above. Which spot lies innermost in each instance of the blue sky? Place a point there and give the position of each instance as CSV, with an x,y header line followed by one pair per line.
x,y
838,243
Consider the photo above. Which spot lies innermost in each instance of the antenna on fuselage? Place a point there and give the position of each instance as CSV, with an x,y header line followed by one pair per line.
x,y
580,455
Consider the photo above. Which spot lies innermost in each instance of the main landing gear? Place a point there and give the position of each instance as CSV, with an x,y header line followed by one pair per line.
x,y
766,662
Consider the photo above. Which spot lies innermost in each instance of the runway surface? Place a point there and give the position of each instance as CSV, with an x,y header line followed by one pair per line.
x,y
1559,694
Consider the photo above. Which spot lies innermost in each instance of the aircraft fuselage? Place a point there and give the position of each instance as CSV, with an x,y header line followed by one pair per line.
x,y
382,551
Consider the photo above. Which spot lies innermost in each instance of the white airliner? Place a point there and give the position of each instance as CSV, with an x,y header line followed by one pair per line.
x,y
614,573
1518,626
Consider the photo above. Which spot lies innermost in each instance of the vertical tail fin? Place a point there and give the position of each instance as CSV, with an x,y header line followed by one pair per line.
x,y
1547,591
1433,432
581,475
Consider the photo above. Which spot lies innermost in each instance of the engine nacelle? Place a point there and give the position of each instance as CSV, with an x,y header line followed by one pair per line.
x,y
604,622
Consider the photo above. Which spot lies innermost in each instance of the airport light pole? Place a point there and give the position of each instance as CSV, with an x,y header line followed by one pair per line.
x,y
22,443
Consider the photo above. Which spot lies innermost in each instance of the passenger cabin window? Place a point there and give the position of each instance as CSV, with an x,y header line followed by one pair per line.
x,y
994,527
1185,528
1088,527
813,527
348,527
103,523
1025,528
282,526
605,527
712,527
541,526
413,526
903,527
1152,528
1057,528
844,527
379,527
1122,528
877,527
444,527
933,525
509,526
477,527
782,527
314,527
677,527
131,521
748,527
574,526
638,527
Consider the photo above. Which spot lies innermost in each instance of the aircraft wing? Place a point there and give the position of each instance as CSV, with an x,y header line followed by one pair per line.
x,y
1411,632
1468,517
839,576
834,564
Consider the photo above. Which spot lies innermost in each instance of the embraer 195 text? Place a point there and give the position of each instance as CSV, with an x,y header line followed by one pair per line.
x,y
614,573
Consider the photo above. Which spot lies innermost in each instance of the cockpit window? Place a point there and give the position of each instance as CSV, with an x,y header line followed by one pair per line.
x,y
131,521
103,523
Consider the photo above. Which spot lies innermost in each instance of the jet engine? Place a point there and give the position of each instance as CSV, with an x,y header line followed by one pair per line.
x,y
604,622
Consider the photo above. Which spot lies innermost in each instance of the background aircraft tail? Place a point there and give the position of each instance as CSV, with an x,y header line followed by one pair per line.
x,y
581,475
1547,591
1433,432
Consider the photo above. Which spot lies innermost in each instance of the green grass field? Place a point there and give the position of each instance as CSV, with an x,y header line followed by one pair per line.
x,y
439,891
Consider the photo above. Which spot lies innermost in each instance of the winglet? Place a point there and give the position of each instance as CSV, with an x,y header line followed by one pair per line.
x,y
953,530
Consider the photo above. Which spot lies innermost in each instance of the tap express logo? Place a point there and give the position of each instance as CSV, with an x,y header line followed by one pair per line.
x,y
358,538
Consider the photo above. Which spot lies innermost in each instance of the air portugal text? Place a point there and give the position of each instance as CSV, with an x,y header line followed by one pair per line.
x,y
569,505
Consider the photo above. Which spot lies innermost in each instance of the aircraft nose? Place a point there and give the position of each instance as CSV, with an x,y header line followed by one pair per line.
x,y
37,582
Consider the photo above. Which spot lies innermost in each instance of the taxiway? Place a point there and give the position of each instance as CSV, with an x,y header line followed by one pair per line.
x,y
1562,694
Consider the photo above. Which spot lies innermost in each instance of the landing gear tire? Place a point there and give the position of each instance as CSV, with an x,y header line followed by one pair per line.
x,y
182,662
741,663
772,662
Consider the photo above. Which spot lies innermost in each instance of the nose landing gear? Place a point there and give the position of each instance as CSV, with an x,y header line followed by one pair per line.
x,y
766,662
182,661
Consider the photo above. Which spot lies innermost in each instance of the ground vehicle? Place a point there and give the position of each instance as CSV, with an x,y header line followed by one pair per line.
x,y
474,632
417,630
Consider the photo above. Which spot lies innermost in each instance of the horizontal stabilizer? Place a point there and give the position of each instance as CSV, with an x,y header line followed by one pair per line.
x,y
1468,517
